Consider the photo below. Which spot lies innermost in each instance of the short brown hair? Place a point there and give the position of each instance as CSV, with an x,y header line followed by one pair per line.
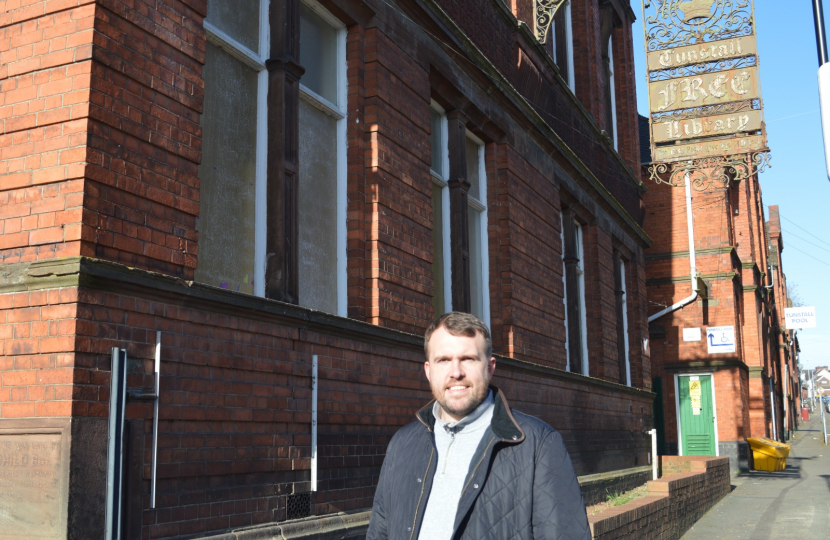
x,y
460,324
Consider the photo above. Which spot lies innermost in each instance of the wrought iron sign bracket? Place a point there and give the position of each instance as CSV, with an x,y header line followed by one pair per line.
x,y
544,12
710,172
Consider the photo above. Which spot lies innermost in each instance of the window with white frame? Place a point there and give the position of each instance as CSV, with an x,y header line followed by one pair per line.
x,y
573,277
562,38
439,172
322,187
232,173
622,319
232,228
477,229
471,154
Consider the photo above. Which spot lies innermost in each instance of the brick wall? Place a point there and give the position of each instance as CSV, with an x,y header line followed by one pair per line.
x,y
45,73
105,111
398,187
141,189
37,366
689,488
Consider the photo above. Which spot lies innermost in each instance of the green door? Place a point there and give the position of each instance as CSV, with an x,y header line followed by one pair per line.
x,y
697,415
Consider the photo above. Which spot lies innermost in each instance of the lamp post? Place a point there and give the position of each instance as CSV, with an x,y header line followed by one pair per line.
x,y
821,38
823,79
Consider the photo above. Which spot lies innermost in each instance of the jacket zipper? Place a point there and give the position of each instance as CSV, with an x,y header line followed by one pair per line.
x,y
421,496
449,450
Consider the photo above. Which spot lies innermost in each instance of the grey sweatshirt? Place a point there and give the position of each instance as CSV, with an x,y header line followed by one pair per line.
x,y
456,443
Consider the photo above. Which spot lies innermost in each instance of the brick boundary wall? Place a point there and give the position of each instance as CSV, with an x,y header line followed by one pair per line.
x,y
690,487
596,487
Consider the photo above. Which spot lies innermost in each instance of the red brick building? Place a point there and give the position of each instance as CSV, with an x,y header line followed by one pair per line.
x,y
724,365
269,186
788,393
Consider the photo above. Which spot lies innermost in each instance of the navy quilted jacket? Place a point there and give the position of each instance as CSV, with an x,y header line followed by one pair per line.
x,y
521,484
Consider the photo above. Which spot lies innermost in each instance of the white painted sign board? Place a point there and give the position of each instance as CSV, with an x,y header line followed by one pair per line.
x,y
720,339
800,317
691,334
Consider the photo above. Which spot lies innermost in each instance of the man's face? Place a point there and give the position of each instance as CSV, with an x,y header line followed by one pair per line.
x,y
458,372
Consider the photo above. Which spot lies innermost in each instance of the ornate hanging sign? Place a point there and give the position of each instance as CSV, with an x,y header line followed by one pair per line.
x,y
544,12
704,90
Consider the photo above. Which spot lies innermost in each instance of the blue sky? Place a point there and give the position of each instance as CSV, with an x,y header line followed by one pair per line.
x,y
797,181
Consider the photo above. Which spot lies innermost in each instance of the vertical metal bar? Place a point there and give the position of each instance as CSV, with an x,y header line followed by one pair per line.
x,y
314,423
654,472
821,36
157,372
115,446
772,408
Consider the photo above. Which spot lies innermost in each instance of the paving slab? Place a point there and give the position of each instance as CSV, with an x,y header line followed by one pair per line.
x,y
790,504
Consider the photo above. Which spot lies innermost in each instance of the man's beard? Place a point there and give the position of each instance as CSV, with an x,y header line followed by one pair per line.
x,y
463,408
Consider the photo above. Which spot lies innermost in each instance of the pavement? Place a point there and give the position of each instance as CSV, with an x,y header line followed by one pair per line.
x,y
790,504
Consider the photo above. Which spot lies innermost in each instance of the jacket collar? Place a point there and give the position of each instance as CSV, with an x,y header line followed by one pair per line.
x,y
503,424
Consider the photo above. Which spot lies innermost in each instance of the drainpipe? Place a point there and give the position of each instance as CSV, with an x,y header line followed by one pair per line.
x,y
692,265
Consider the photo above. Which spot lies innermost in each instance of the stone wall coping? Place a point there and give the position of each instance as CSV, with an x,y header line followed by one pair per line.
x,y
615,518
667,484
589,479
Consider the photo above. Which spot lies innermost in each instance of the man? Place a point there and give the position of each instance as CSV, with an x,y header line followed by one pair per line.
x,y
470,468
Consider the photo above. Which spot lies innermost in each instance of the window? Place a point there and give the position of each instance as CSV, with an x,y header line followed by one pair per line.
x,y
234,217
609,21
622,319
322,156
439,169
562,38
459,206
576,330
232,173
477,229
612,92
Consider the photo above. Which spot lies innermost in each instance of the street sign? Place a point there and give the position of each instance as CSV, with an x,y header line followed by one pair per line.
x,y
800,317
691,334
720,339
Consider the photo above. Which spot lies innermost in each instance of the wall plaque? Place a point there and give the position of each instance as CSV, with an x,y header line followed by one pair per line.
x,y
33,472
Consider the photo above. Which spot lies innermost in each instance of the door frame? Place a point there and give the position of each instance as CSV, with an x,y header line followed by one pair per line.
x,y
677,408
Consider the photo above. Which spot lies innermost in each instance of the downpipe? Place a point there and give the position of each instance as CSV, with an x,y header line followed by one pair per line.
x,y
692,263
